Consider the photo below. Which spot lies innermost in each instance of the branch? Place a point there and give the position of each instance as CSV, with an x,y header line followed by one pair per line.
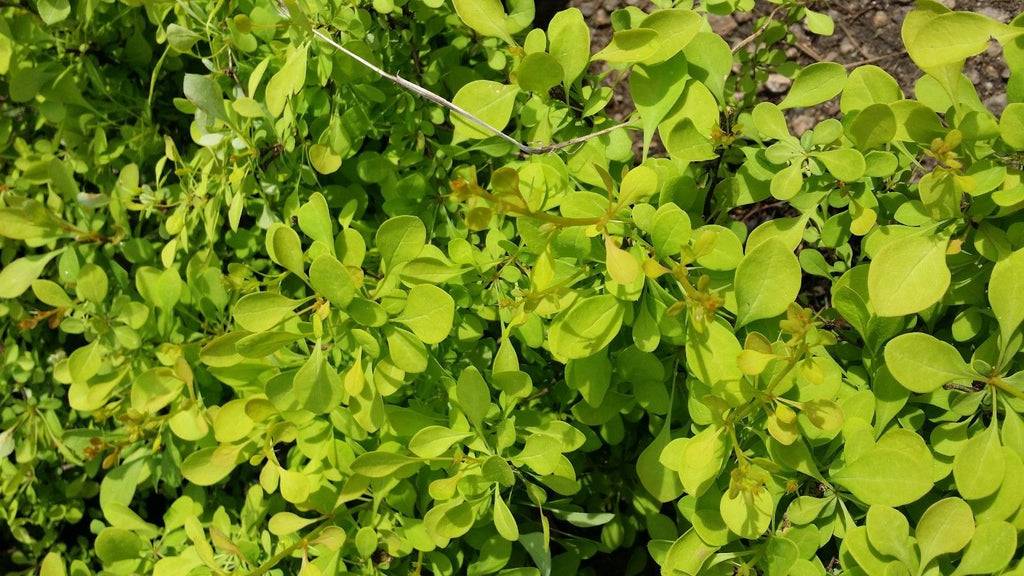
x,y
756,33
443,102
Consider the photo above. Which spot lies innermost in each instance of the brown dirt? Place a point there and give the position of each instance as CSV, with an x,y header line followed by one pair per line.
x,y
866,31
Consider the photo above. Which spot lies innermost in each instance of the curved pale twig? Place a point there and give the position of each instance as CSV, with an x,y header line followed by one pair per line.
x,y
445,103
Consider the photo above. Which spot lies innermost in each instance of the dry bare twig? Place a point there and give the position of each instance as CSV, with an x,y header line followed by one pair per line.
x,y
445,103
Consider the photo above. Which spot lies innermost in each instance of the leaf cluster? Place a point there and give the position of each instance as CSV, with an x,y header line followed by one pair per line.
x,y
264,310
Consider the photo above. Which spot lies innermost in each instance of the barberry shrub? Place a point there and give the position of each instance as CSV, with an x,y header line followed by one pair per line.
x,y
351,287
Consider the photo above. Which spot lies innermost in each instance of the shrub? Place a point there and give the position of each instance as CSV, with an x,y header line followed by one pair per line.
x,y
269,311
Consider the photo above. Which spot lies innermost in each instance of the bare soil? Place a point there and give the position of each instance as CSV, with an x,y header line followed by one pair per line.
x,y
866,32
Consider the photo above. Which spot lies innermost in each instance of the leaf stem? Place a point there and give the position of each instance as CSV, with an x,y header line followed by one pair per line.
x,y
277,558
998,383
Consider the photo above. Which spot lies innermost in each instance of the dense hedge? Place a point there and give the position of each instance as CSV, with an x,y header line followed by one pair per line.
x,y
267,309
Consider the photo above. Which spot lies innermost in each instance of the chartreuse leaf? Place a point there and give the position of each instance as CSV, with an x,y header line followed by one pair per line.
x,y
655,90
787,182
489,101
434,441
284,523
671,230
698,459
868,85
770,121
331,279
400,239
428,312
22,224
630,46
819,23
815,84
209,466
923,363
504,521
541,453
49,292
117,544
622,266
1005,293
993,546
874,126
486,17
287,81
846,164
53,11
473,395
688,554
53,565
380,464
857,545
888,531
205,93
686,142
1007,499
591,376
676,28
1011,125
569,42
897,471
944,528
18,275
315,220
406,350
767,282
262,311
711,357
92,283
748,515
285,248
317,384
979,466
951,38
662,482
539,72
323,159
908,276
586,328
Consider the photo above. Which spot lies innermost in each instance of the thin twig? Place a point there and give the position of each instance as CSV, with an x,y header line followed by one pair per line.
x,y
853,39
443,102
811,52
756,33
875,59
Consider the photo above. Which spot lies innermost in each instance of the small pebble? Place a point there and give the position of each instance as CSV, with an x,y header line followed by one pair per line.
x,y
880,19
996,103
777,83
802,123
722,25
995,13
